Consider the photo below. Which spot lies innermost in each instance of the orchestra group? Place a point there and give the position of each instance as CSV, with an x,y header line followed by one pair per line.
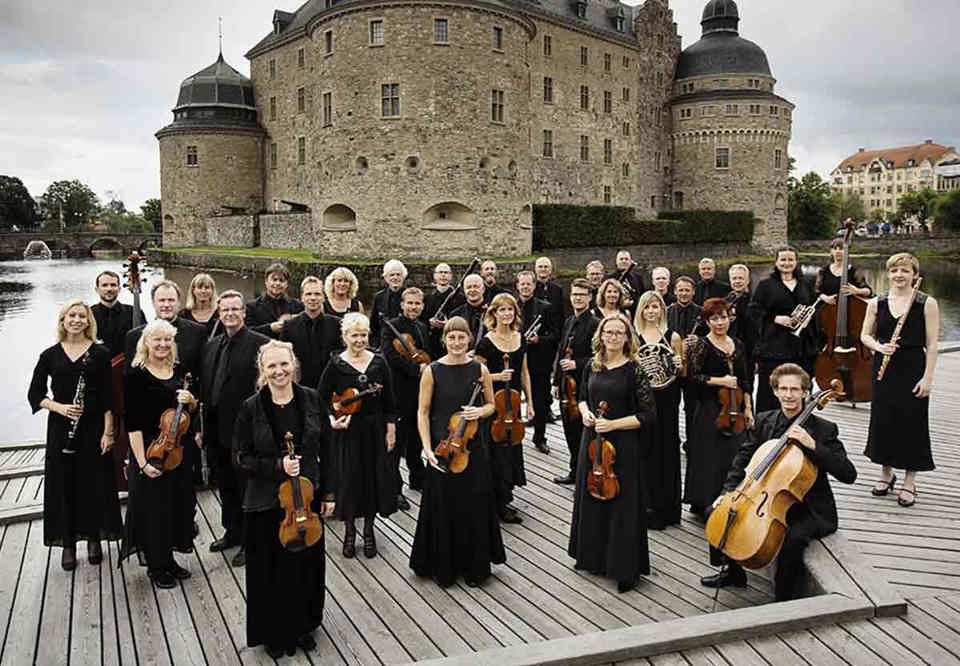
x,y
302,409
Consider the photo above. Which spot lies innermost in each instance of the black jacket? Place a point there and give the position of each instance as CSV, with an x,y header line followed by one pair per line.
x,y
190,339
829,456
490,291
432,303
257,451
742,325
684,319
771,299
386,302
552,293
113,324
406,374
314,340
540,355
712,289
240,382
633,277
577,333
264,310
474,317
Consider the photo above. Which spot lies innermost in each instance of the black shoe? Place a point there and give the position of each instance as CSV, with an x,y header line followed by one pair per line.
x,y
224,542
307,642
508,516
94,552
551,417
910,502
240,559
291,650
274,651
68,559
625,587
542,447
369,544
179,572
880,492
471,582
735,577
567,480
403,504
164,580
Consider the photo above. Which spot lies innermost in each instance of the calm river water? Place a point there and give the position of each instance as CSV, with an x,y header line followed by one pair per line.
x,y
31,293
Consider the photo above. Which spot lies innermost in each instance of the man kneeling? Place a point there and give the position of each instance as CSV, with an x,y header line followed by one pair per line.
x,y
816,515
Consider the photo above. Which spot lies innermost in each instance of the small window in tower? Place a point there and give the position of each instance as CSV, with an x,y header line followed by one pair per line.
x,y
301,58
607,101
547,143
273,155
777,159
584,148
273,108
192,159
626,94
774,110
327,109
723,158
659,78
584,56
547,45
301,100
376,32
497,38
607,194
626,128
653,201
548,90
584,98
328,42
273,69
625,170
496,106
390,100
659,41
732,110
657,158
582,9
608,151
301,150
619,23
441,31
607,60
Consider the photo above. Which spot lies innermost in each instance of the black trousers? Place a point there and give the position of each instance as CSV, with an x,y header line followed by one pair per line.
x,y
231,483
572,431
540,385
766,400
408,441
689,392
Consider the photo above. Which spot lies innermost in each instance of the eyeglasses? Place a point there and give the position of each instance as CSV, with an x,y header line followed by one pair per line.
x,y
615,334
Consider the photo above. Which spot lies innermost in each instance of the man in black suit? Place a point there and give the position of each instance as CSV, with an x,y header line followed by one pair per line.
x,y
628,274
708,286
190,337
229,372
488,271
114,319
406,386
314,335
475,307
816,515
442,282
266,313
541,350
683,317
742,325
386,302
576,335
547,290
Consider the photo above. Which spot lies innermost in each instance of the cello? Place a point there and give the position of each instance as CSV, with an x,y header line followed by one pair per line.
x,y
300,527
843,356
453,452
507,427
602,481
165,451
731,419
750,522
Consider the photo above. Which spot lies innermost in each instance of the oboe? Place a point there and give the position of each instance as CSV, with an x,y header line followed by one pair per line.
x,y
77,402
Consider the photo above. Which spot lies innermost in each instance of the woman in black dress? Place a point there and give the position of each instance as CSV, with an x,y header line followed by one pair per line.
x,y
899,436
364,443
502,320
774,299
201,304
717,361
458,533
609,538
828,277
664,346
341,287
161,503
79,488
611,299
285,588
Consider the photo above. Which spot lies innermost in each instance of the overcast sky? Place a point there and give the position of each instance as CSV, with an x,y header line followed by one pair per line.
x,y
84,85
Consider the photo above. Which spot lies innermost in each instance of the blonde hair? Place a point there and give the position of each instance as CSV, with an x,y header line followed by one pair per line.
x,y
455,325
630,345
155,327
601,301
90,332
490,317
904,259
354,320
341,272
275,344
204,280
645,299
310,279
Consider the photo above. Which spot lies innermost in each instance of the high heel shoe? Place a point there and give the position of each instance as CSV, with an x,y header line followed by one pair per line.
x,y
350,541
907,503
881,492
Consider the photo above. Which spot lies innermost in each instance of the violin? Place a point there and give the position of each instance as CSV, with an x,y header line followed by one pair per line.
x,y
453,452
602,482
165,451
568,392
731,419
350,401
749,523
507,427
300,527
405,345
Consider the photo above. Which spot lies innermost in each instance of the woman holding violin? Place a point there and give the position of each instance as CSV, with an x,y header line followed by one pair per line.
x,y
161,500
504,351
458,533
285,579
608,535
72,382
357,391
724,411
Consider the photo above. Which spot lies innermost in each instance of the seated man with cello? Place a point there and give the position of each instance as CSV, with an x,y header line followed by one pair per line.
x,y
816,515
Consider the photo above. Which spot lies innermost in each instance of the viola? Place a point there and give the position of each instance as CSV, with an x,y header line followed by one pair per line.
x,y
453,452
300,527
165,451
350,401
568,392
602,482
731,419
749,523
507,428
405,345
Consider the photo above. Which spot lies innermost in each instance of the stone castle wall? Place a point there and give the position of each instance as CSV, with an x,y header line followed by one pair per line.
x,y
231,230
287,230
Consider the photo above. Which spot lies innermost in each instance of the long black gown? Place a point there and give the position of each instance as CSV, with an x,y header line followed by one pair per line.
x,y
506,461
367,471
610,537
159,511
899,435
663,465
79,490
458,532
710,451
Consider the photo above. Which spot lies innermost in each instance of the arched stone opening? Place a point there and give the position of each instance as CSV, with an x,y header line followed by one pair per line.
x,y
105,244
449,215
340,217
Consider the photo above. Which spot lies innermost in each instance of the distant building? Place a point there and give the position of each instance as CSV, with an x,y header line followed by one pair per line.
x,y
881,177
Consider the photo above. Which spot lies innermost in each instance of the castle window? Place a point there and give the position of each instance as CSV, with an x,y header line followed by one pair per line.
x,y
273,108
301,150
653,201
678,200
301,58
301,100
328,42
626,128
625,170
547,143
618,22
584,98
607,58
581,9
327,109
732,110
192,158
607,101
659,41
547,90
497,38
376,32
626,62
607,194
626,94
657,158
273,69
584,148
441,31
273,155
777,159
754,109
659,116
773,110
608,151
723,158
547,45
496,106
659,78
390,100
584,56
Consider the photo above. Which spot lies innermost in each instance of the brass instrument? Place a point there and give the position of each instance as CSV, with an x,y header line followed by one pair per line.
x,y
731,300
661,364
801,316
898,329
534,328
630,294
77,402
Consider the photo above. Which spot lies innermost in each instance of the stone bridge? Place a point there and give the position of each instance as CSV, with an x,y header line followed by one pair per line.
x,y
74,244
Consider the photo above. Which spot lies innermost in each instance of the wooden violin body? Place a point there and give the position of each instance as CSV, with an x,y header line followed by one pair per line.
x,y
165,451
453,452
568,392
731,418
300,527
405,345
507,427
602,482
350,401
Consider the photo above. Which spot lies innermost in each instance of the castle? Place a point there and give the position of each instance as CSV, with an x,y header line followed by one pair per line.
x,y
371,128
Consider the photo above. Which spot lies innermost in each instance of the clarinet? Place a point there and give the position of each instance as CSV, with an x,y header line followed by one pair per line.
x,y
78,402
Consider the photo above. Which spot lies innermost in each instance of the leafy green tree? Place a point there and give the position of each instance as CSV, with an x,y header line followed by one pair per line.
x,y
811,208
849,205
125,222
947,213
17,207
77,201
115,204
877,216
151,213
917,204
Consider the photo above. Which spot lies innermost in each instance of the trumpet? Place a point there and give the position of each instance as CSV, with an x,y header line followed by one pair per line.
x,y
801,316
534,328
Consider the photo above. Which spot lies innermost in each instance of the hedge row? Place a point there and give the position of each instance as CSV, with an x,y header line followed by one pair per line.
x,y
563,225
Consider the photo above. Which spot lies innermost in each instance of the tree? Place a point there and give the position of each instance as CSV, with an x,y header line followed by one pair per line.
x,y
151,213
849,205
17,207
811,208
125,222
114,204
917,204
77,201
947,212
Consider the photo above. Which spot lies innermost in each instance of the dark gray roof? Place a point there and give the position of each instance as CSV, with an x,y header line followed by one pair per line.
x,y
721,49
216,85
727,95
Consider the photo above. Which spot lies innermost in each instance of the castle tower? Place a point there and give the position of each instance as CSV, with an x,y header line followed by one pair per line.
x,y
211,155
730,130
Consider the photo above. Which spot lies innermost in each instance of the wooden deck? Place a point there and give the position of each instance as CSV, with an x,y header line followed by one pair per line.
x,y
377,611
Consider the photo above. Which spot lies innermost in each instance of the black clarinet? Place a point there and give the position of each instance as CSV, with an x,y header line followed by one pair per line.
x,y
77,402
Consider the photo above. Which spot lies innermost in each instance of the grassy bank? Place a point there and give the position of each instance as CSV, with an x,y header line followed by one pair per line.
x,y
303,256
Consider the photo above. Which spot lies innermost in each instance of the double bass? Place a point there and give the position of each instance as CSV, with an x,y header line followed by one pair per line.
x,y
843,356
750,522
300,527
453,451
165,451
602,481
507,427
